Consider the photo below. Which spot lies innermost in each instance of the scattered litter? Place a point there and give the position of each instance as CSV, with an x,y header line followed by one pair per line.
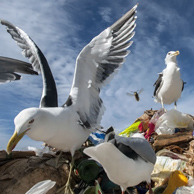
x,y
184,190
164,166
176,180
93,189
40,152
169,133
131,129
172,119
173,155
41,187
157,115
97,138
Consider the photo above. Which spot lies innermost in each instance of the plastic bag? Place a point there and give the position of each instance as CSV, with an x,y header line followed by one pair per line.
x,y
97,138
185,190
157,115
41,187
164,166
177,179
130,130
170,120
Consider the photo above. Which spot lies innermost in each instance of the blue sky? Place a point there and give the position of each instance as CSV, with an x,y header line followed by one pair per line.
x,y
62,28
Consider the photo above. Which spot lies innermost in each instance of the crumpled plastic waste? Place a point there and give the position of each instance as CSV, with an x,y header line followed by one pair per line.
x,y
172,119
144,123
176,180
185,190
41,187
97,138
173,155
157,115
164,166
150,124
149,131
130,130
40,152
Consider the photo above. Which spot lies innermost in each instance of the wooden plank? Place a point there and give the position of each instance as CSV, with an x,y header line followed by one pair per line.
x,y
162,141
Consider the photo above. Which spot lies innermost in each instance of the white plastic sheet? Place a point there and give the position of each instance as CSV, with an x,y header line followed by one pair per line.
x,y
172,119
184,190
164,166
41,187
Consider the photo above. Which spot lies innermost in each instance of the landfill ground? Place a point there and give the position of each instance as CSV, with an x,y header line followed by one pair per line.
x,y
175,157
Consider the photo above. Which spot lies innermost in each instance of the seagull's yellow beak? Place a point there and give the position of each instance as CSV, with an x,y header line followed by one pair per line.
x,y
176,53
14,140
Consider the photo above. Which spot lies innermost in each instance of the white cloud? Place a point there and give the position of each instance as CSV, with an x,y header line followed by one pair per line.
x,y
106,13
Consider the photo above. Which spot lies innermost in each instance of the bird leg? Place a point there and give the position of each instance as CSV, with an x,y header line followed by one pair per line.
x,y
57,158
150,188
126,191
67,187
162,103
175,105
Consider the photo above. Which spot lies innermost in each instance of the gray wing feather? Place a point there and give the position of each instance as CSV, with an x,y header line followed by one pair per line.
x,y
9,66
140,146
158,83
31,51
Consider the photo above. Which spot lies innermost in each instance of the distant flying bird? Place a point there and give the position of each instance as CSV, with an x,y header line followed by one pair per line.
x,y
136,94
68,127
9,69
127,161
169,85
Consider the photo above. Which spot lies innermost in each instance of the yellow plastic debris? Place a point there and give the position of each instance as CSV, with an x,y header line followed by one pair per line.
x,y
131,129
176,179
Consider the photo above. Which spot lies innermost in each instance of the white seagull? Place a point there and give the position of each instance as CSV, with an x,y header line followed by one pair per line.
x,y
169,85
9,69
126,161
68,127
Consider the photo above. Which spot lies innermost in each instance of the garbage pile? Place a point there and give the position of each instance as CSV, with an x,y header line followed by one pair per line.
x,y
169,133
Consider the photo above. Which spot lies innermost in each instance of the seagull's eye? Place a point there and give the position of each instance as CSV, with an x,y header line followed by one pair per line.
x,y
168,53
31,121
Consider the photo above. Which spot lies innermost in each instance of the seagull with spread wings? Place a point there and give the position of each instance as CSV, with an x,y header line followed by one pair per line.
x,y
67,127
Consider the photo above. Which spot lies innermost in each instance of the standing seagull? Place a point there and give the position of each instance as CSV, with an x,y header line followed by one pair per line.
x,y
169,85
126,161
9,69
67,128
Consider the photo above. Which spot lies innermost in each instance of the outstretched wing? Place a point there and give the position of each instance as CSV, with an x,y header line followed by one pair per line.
x,y
130,94
96,63
39,63
140,91
9,67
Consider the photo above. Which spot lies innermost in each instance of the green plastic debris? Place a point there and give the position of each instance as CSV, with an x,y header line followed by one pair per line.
x,y
131,129
93,189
